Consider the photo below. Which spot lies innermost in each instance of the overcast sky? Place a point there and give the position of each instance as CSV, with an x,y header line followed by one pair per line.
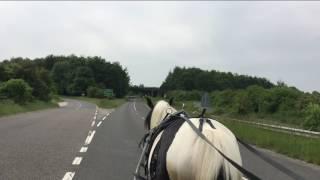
x,y
276,40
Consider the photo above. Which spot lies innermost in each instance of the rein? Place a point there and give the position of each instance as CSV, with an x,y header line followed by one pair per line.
x,y
150,136
247,173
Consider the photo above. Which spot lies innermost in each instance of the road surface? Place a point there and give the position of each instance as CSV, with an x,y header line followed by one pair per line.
x,y
75,142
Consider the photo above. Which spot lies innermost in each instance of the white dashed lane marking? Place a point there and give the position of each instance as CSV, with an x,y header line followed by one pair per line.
x,y
83,149
134,106
89,137
77,161
99,124
68,176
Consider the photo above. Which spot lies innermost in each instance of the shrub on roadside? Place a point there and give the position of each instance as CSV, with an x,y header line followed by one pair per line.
x,y
95,92
17,90
312,120
185,95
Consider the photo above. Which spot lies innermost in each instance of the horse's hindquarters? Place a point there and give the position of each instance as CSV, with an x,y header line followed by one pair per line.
x,y
190,158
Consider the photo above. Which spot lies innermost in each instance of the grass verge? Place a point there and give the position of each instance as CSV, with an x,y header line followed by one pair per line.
x,y
8,107
304,148
102,103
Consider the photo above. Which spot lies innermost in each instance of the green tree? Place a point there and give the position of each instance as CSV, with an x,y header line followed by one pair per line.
x,y
198,79
61,75
312,120
82,80
17,90
3,73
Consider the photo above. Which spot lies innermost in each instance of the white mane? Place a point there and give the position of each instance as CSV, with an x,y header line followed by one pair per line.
x,y
159,112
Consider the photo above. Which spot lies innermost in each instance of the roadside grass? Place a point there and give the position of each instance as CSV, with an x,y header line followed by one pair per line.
x,y
299,147
101,102
8,107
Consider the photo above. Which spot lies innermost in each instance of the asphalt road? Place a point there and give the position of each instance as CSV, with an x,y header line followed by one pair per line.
x,y
42,144
47,144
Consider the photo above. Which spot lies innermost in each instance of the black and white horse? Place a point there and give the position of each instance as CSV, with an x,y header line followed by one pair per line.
x,y
183,155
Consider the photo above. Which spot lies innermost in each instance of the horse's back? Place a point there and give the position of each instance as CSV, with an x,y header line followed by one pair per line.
x,y
190,157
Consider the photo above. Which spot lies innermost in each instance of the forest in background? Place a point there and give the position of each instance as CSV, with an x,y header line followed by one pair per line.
x,y
24,79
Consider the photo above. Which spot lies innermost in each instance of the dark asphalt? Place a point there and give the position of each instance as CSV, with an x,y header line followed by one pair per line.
x,y
114,152
43,144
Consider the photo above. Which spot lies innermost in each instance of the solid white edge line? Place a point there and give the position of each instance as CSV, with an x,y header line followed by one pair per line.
x,y
92,124
68,176
77,161
83,149
89,138
99,124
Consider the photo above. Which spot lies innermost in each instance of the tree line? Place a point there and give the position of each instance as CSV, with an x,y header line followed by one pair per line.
x,y
40,78
188,79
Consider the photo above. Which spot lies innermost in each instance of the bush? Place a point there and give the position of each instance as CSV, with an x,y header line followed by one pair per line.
x,y
17,90
223,101
185,95
312,120
95,92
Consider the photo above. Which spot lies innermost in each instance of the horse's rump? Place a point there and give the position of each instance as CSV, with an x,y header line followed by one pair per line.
x,y
182,154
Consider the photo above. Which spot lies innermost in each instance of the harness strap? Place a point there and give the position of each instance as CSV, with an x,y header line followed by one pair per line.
x,y
247,173
138,177
146,146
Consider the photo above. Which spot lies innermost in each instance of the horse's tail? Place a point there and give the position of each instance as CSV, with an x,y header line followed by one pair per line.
x,y
225,141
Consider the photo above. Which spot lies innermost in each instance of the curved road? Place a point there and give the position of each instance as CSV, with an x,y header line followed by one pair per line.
x,y
81,142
